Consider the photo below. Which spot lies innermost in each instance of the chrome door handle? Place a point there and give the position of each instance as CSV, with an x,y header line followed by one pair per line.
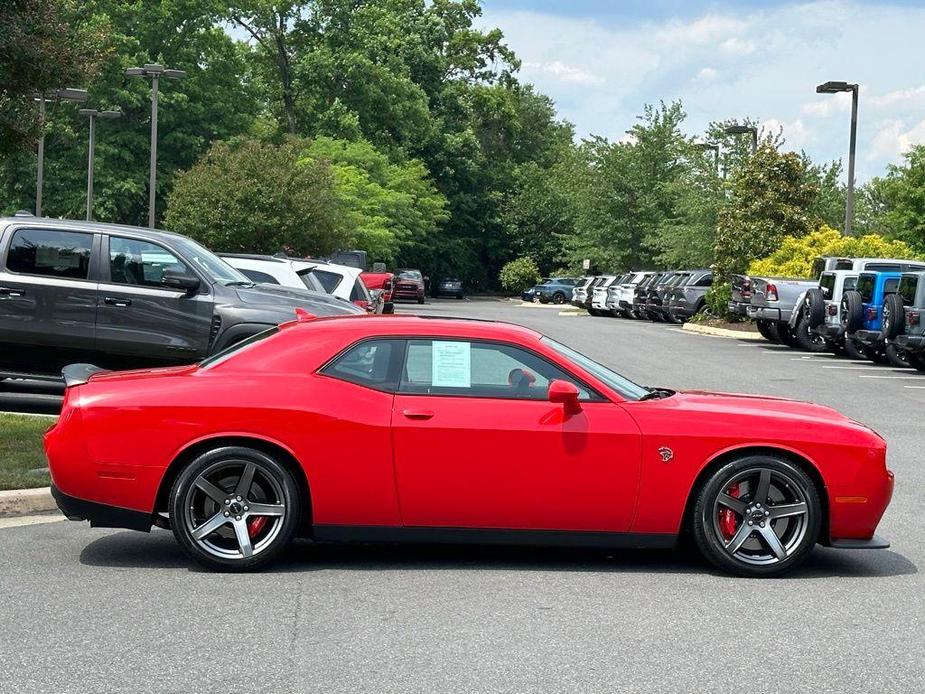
x,y
418,414
116,301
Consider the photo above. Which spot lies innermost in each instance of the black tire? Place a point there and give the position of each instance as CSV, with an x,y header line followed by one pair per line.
x,y
853,349
894,316
768,330
421,300
594,312
221,549
895,356
851,311
787,336
837,348
558,298
460,297
877,356
814,307
754,556
916,361
807,339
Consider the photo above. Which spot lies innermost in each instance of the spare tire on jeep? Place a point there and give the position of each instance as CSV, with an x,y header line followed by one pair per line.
x,y
814,307
852,311
893,316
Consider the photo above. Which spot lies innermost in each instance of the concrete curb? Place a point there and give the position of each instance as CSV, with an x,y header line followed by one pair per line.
x,y
721,332
21,502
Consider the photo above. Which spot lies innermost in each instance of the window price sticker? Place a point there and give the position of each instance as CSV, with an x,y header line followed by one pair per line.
x,y
451,365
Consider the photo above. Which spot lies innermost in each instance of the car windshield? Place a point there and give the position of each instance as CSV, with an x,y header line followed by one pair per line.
x,y
625,387
410,275
214,267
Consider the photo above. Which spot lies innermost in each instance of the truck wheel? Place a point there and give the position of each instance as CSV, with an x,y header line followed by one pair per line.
x,y
894,316
877,356
853,349
896,356
814,307
786,335
768,330
851,311
807,338
916,361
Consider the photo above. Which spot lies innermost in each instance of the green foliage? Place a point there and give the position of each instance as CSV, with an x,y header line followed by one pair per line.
x,y
44,45
717,299
902,198
795,256
769,198
258,197
519,274
384,208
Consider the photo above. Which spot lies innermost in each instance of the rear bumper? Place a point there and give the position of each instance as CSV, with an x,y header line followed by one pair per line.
x,y
911,343
871,338
765,313
831,332
100,515
875,542
738,308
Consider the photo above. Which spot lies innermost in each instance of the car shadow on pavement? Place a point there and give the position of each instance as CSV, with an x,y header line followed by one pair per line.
x,y
159,550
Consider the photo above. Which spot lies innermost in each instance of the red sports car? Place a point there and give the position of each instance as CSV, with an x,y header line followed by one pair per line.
x,y
409,428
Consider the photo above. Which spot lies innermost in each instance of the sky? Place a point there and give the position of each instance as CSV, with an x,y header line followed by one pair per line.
x,y
602,61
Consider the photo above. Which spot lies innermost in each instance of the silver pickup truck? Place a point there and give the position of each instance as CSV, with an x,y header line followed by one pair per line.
x,y
773,302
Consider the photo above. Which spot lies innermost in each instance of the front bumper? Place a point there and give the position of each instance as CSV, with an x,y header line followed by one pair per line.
x,y
408,294
871,338
100,515
911,343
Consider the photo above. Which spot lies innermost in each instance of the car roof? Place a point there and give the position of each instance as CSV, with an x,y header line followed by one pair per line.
x,y
97,227
409,326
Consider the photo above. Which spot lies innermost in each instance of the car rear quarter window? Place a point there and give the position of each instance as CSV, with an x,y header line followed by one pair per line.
x,y
705,281
50,253
328,280
259,277
372,363
479,370
865,288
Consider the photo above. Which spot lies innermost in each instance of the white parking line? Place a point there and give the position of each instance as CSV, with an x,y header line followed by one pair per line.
x,y
863,368
915,387
908,378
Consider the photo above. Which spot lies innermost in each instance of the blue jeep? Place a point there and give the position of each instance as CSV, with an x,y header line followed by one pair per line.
x,y
861,314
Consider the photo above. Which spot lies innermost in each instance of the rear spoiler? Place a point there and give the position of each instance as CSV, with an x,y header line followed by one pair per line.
x,y
78,374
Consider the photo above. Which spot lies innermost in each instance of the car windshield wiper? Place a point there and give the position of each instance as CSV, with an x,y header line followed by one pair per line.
x,y
657,394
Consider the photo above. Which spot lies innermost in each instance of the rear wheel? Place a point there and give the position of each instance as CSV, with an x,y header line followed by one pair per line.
x,y
853,349
895,356
787,335
558,298
916,361
877,356
757,516
768,330
234,509
807,338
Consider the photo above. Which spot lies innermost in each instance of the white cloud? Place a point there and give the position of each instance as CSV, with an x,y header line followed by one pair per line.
x,y
563,72
796,134
763,63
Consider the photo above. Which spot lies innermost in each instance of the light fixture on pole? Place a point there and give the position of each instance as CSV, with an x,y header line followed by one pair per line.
x,y
710,146
835,88
93,114
155,72
742,130
53,95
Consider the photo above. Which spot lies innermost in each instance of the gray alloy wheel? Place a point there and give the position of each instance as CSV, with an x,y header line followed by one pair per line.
x,y
234,508
759,516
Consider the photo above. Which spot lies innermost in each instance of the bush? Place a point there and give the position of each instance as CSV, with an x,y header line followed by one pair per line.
x,y
795,256
717,299
519,274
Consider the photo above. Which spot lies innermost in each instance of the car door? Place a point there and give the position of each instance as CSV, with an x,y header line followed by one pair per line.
x,y
48,297
139,318
478,445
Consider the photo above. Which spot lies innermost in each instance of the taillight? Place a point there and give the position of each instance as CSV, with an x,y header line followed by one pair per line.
x,y
832,309
771,293
912,317
871,313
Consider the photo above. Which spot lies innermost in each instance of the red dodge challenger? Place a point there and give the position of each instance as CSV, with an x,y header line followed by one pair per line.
x,y
392,429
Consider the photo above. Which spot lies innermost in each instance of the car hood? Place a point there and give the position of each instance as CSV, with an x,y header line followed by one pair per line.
x,y
286,299
763,405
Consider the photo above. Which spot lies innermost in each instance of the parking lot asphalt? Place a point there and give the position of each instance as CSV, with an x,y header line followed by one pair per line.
x,y
93,610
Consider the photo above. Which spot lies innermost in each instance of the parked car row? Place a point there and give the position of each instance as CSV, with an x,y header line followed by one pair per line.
x,y
672,296
863,308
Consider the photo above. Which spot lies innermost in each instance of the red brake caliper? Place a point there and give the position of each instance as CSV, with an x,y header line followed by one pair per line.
x,y
256,524
727,517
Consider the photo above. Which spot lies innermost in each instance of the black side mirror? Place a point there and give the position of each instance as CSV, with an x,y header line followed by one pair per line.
x,y
180,281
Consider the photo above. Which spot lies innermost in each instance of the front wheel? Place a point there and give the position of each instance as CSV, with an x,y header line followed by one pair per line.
x,y
234,509
807,338
758,516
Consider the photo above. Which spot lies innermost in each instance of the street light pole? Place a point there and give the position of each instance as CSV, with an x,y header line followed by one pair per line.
x,y
742,130
55,95
92,113
155,72
834,87
712,146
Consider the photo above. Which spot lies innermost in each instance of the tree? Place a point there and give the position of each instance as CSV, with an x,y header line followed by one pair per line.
x,y
258,197
902,194
795,256
385,208
44,45
769,198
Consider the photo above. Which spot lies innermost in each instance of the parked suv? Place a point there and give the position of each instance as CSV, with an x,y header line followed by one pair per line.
x,y
599,295
656,308
907,330
557,290
622,292
820,307
862,317
689,298
126,297
580,293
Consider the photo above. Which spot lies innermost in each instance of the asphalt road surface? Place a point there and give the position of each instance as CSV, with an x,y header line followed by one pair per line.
x,y
96,610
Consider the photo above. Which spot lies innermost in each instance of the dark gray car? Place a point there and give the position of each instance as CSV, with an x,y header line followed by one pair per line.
x,y
125,297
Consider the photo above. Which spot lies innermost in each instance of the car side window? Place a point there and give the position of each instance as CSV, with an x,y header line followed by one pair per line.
x,y
259,277
328,280
141,263
50,253
372,363
705,281
479,370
